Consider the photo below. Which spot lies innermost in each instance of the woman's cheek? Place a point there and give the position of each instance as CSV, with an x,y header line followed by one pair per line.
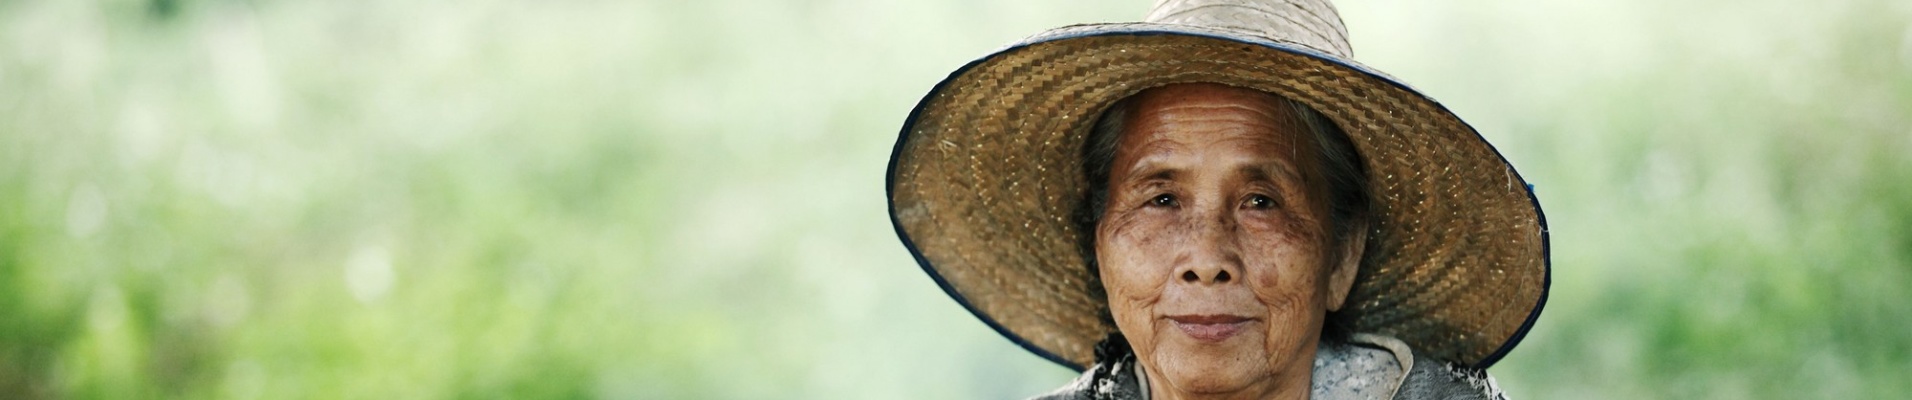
x,y
1284,264
1131,253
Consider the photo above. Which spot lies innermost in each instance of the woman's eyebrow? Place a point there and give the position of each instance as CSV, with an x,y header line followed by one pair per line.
x,y
1260,172
1152,168
1164,174
1147,175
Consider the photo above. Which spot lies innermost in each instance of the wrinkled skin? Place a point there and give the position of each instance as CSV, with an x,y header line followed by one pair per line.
x,y
1215,248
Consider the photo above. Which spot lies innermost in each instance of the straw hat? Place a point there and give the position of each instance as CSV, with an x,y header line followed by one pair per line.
x,y
987,173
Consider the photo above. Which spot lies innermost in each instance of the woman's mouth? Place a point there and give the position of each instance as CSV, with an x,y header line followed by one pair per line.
x,y
1210,328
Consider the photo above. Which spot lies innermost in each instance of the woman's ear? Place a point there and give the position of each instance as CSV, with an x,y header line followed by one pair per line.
x,y
1346,266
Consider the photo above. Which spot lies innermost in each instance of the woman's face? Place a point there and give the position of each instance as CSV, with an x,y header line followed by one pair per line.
x,y
1215,248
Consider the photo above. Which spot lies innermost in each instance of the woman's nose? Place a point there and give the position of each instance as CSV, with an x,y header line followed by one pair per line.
x,y
1213,256
1214,275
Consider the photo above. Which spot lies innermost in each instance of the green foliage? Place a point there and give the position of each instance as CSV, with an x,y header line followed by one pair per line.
x,y
494,199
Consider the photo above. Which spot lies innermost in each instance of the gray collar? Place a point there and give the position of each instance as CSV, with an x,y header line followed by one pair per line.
x,y
1368,366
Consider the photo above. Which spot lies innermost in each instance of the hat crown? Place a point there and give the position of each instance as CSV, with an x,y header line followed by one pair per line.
x,y
1311,23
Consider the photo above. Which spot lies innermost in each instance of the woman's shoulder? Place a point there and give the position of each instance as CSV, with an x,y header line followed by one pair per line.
x,y
1425,377
1114,376
1434,379
1114,380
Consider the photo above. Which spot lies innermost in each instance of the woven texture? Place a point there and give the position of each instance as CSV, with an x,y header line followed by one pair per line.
x,y
987,173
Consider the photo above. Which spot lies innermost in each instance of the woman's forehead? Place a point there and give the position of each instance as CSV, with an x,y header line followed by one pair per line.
x,y
1210,127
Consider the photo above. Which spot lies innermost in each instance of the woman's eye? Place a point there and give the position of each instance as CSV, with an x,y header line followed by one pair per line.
x,y
1261,202
1163,200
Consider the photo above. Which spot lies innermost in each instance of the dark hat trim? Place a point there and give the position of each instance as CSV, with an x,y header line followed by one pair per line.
x,y
1546,272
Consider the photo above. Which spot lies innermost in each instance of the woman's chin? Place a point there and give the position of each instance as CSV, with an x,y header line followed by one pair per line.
x,y
1212,366
1208,379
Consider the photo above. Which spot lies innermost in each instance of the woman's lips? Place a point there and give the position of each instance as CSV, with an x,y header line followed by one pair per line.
x,y
1210,328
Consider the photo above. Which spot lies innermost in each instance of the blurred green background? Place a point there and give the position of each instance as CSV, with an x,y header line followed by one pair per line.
x,y
683,199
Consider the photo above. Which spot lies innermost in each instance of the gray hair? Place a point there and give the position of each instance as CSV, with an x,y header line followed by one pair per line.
x,y
1341,168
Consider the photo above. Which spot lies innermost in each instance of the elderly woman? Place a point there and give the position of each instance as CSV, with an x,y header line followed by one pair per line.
x,y
1218,203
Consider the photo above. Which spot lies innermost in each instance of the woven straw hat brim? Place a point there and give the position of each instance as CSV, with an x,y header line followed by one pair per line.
x,y
986,175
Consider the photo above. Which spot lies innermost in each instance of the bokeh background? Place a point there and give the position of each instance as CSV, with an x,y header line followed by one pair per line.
x,y
684,199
